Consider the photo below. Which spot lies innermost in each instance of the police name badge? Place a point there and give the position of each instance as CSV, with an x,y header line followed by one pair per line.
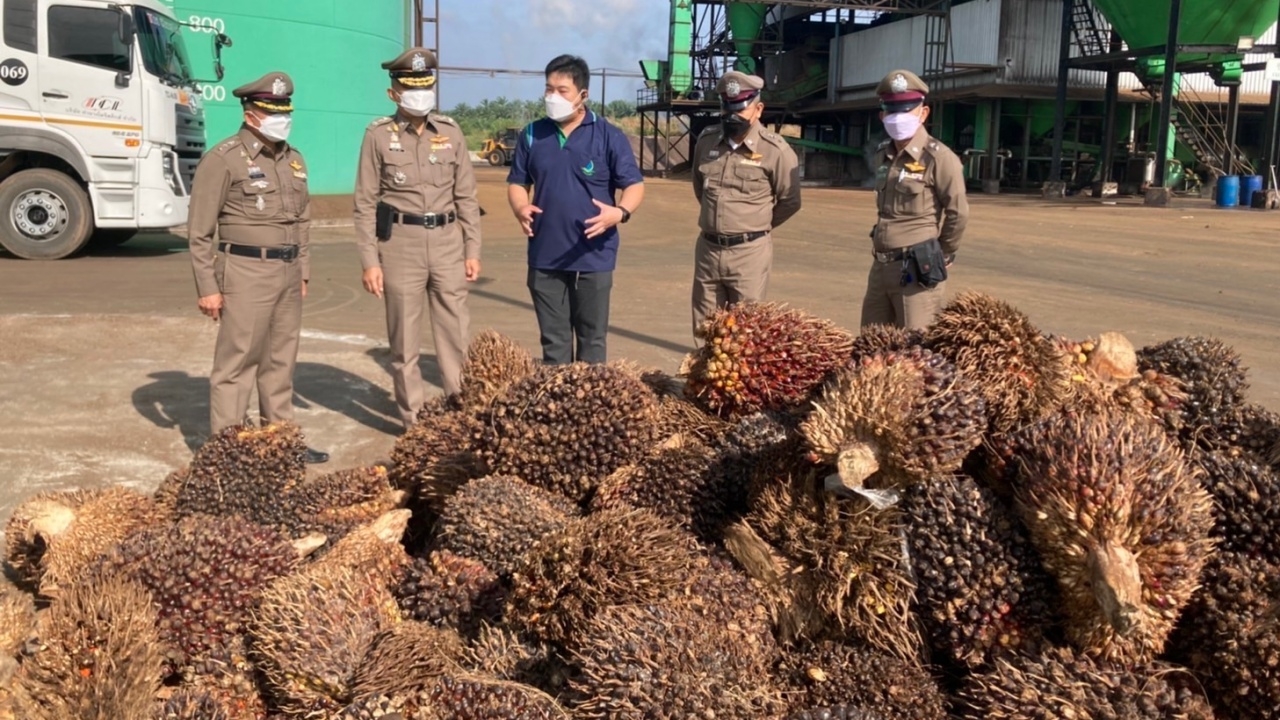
x,y
399,178
713,154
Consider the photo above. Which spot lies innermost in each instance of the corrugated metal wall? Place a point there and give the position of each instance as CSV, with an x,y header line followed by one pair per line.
x,y
1020,36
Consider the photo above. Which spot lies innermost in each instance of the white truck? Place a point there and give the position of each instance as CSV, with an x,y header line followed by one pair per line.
x,y
101,127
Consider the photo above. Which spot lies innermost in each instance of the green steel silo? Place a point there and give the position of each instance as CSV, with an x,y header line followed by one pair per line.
x,y
333,49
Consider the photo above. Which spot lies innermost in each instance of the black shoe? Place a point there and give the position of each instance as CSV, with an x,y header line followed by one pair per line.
x,y
315,457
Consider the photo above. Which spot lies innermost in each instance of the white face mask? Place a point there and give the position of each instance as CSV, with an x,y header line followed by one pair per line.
x,y
558,108
418,102
275,127
901,126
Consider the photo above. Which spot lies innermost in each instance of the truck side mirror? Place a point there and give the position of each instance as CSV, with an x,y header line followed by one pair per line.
x,y
126,28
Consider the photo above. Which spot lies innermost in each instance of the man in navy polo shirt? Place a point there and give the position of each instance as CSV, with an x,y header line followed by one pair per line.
x,y
576,162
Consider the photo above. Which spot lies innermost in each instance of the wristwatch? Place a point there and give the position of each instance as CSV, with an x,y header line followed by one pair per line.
x,y
626,214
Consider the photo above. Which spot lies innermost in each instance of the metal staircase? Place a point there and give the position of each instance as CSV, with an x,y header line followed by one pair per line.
x,y
1195,124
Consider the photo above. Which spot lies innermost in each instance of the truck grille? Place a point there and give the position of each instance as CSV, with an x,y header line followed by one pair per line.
x,y
191,143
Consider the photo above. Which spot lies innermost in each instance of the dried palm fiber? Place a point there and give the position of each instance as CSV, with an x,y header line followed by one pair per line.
x,y
406,658
373,550
838,712
494,363
895,420
238,691
188,704
311,631
980,588
877,339
204,574
615,557
1211,375
242,470
829,674
507,655
762,356
436,456
98,655
568,426
475,697
833,565
668,660
682,482
1060,683
336,503
450,591
1230,638
53,537
678,416
1246,508
1121,521
17,626
1018,370
496,520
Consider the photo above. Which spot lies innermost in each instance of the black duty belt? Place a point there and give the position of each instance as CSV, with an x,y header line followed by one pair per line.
x,y
889,256
731,240
285,252
429,221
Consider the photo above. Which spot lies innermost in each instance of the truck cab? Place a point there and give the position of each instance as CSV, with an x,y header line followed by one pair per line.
x,y
100,125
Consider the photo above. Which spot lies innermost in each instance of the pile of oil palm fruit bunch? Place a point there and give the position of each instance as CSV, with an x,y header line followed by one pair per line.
x,y
977,520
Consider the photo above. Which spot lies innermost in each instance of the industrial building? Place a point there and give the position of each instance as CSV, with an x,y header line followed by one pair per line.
x,y
994,69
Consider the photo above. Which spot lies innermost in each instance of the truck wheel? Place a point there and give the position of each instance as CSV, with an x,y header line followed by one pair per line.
x,y
111,237
497,158
44,215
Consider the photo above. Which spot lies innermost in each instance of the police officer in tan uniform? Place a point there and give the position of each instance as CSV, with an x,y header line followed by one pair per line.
x,y
922,209
251,190
747,182
418,227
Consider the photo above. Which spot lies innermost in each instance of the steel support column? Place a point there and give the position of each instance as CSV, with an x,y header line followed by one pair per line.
x,y
1233,121
1109,123
1167,91
1060,99
1271,127
993,140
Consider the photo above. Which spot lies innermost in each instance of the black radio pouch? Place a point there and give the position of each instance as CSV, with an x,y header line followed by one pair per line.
x,y
382,221
928,263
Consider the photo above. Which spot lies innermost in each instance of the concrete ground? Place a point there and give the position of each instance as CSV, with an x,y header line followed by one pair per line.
x,y
104,359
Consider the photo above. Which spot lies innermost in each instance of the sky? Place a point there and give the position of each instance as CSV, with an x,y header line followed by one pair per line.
x,y
526,34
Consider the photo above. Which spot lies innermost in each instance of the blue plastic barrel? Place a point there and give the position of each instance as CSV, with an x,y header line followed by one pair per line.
x,y
1227,192
1249,184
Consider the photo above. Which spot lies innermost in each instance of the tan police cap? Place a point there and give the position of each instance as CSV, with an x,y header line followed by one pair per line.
x,y
271,92
902,89
738,89
415,68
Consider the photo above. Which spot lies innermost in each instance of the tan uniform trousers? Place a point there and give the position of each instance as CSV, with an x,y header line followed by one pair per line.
x,y
258,334
726,275
424,266
888,302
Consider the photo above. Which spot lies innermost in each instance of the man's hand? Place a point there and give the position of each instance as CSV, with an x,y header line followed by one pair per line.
x,y
473,270
525,216
304,289
373,281
211,305
609,216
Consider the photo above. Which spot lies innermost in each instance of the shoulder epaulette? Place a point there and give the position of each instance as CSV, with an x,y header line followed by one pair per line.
x,y
227,144
444,119
773,138
380,121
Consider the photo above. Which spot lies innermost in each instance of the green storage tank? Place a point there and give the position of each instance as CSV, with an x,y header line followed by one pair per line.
x,y
333,50
1145,23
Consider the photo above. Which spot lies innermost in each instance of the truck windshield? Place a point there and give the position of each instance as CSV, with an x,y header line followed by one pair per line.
x,y
163,52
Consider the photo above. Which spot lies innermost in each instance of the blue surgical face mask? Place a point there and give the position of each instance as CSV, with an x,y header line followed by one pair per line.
x,y
902,126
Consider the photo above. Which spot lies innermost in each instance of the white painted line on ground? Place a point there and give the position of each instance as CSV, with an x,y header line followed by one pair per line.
x,y
346,338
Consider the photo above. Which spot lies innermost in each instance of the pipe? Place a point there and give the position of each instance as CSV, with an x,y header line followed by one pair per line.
x,y
1060,99
1109,124
1166,93
1271,126
1233,121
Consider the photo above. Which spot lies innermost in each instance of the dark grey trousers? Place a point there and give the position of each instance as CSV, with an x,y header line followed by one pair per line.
x,y
571,305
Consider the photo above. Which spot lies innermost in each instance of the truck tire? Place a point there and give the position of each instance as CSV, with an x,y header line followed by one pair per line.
x,y
44,215
110,237
497,158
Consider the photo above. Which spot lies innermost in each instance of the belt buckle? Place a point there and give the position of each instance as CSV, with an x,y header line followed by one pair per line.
x,y
429,221
289,253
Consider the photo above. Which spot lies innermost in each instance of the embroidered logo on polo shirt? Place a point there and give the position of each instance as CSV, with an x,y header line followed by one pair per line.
x,y
589,169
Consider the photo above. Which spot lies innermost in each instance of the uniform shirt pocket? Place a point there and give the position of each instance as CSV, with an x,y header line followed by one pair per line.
x,y
749,178
908,197
399,170
260,201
